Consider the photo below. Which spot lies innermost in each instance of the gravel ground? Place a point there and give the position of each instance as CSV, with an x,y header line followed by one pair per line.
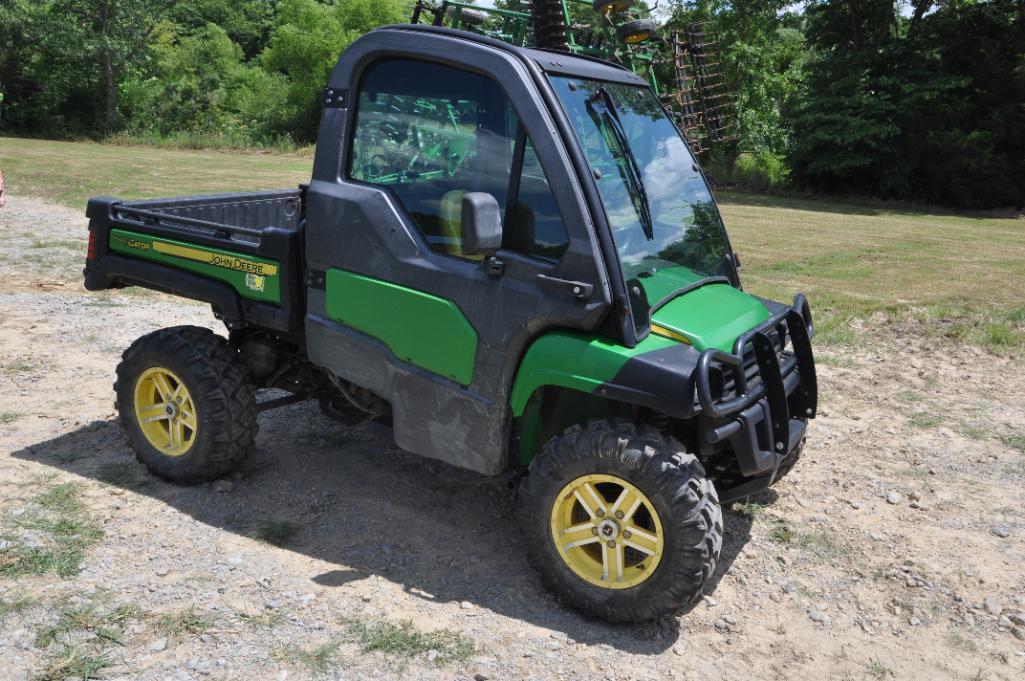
x,y
894,550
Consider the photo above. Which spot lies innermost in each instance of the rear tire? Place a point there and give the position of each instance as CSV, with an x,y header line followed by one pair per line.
x,y
680,509
186,404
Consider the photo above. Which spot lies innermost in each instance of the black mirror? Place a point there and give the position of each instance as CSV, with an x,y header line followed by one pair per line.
x,y
481,223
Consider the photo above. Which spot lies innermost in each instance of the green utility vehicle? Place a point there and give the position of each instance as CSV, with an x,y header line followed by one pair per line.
x,y
507,259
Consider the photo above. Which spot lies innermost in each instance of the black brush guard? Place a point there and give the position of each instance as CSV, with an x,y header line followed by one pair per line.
x,y
763,411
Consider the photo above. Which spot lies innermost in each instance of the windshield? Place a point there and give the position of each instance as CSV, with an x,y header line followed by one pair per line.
x,y
666,227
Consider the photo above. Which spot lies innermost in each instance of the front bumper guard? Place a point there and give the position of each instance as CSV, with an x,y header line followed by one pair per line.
x,y
774,391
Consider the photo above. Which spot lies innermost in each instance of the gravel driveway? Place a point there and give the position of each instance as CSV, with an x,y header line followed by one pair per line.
x,y
894,550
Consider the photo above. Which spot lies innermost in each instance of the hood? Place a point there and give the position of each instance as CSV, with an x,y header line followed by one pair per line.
x,y
711,316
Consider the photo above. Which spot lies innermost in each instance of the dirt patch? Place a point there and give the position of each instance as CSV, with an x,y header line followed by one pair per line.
x,y
893,550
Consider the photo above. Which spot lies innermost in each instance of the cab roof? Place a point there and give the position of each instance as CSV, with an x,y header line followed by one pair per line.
x,y
550,61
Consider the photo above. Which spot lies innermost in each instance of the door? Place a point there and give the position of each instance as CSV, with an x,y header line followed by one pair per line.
x,y
403,310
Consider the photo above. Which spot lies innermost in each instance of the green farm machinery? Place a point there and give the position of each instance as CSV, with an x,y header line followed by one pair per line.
x,y
681,63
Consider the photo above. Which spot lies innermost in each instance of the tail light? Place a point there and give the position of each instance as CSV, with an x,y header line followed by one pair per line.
x,y
90,251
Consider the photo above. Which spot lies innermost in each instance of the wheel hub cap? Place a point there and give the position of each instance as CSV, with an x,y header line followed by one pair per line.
x,y
607,531
165,411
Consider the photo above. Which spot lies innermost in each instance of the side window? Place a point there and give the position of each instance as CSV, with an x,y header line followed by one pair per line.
x,y
535,225
432,133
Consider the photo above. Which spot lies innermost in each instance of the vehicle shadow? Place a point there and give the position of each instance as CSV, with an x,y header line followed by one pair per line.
x,y
445,534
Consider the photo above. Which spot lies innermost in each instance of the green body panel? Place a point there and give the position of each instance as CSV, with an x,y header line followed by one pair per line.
x,y
252,277
574,360
663,282
712,316
419,328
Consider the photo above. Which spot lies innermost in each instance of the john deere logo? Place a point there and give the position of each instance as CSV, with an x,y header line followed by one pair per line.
x,y
254,281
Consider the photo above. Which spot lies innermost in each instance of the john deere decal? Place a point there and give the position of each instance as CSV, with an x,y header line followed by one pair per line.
x,y
255,281
229,262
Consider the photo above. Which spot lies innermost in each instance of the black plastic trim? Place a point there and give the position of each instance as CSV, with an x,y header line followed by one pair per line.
x,y
113,271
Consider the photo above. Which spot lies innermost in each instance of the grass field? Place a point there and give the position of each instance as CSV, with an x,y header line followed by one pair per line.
x,y
956,275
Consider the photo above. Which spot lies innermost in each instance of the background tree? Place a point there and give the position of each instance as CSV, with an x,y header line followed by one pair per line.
x,y
920,100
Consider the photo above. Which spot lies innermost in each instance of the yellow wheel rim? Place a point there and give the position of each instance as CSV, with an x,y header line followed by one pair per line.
x,y
165,411
607,531
635,38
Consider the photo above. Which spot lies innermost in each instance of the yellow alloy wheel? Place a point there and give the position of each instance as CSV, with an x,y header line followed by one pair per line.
x,y
165,411
607,531
635,38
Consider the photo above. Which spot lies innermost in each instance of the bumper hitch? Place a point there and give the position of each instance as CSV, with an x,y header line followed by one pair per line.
x,y
773,393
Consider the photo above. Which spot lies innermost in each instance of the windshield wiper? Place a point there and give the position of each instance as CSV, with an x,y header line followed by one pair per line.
x,y
633,171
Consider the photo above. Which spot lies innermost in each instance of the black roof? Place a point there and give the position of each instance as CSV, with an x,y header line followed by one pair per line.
x,y
550,61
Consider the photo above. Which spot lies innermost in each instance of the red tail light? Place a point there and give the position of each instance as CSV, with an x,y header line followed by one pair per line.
x,y
90,250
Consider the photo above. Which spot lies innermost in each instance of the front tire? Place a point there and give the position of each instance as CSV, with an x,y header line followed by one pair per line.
x,y
621,522
186,404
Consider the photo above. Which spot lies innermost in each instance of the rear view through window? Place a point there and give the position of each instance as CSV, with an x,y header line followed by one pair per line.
x,y
431,134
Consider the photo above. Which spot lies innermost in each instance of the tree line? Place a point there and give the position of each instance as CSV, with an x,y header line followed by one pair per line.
x,y
919,100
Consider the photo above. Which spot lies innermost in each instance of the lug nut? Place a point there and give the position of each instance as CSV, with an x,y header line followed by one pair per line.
x,y
612,544
619,514
594,530
626,534
600,513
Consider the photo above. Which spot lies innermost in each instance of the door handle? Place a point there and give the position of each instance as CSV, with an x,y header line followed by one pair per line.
x,y
577,289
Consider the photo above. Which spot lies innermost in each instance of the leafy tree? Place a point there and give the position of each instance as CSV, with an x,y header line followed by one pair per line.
x,y
70,56
307,38
925,108
246,22
199,83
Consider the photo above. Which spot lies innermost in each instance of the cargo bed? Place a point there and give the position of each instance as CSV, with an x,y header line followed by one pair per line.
x,y
242,253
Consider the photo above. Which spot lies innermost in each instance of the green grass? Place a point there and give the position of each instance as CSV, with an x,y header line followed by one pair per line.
x,y
60,515
1014,441
184,624
973,432
79,641
822,543
751,509
75,661
17,367
959,641
276,532
71,172
404,641
315,660
102,626
12,604
10,417
877,670
951,275
781,533
923,419
77,245
265,619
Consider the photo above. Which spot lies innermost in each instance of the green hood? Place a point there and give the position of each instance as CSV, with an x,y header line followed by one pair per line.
x,y
711,316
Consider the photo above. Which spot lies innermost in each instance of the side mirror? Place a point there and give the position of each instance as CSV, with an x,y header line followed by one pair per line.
x,y
481,224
